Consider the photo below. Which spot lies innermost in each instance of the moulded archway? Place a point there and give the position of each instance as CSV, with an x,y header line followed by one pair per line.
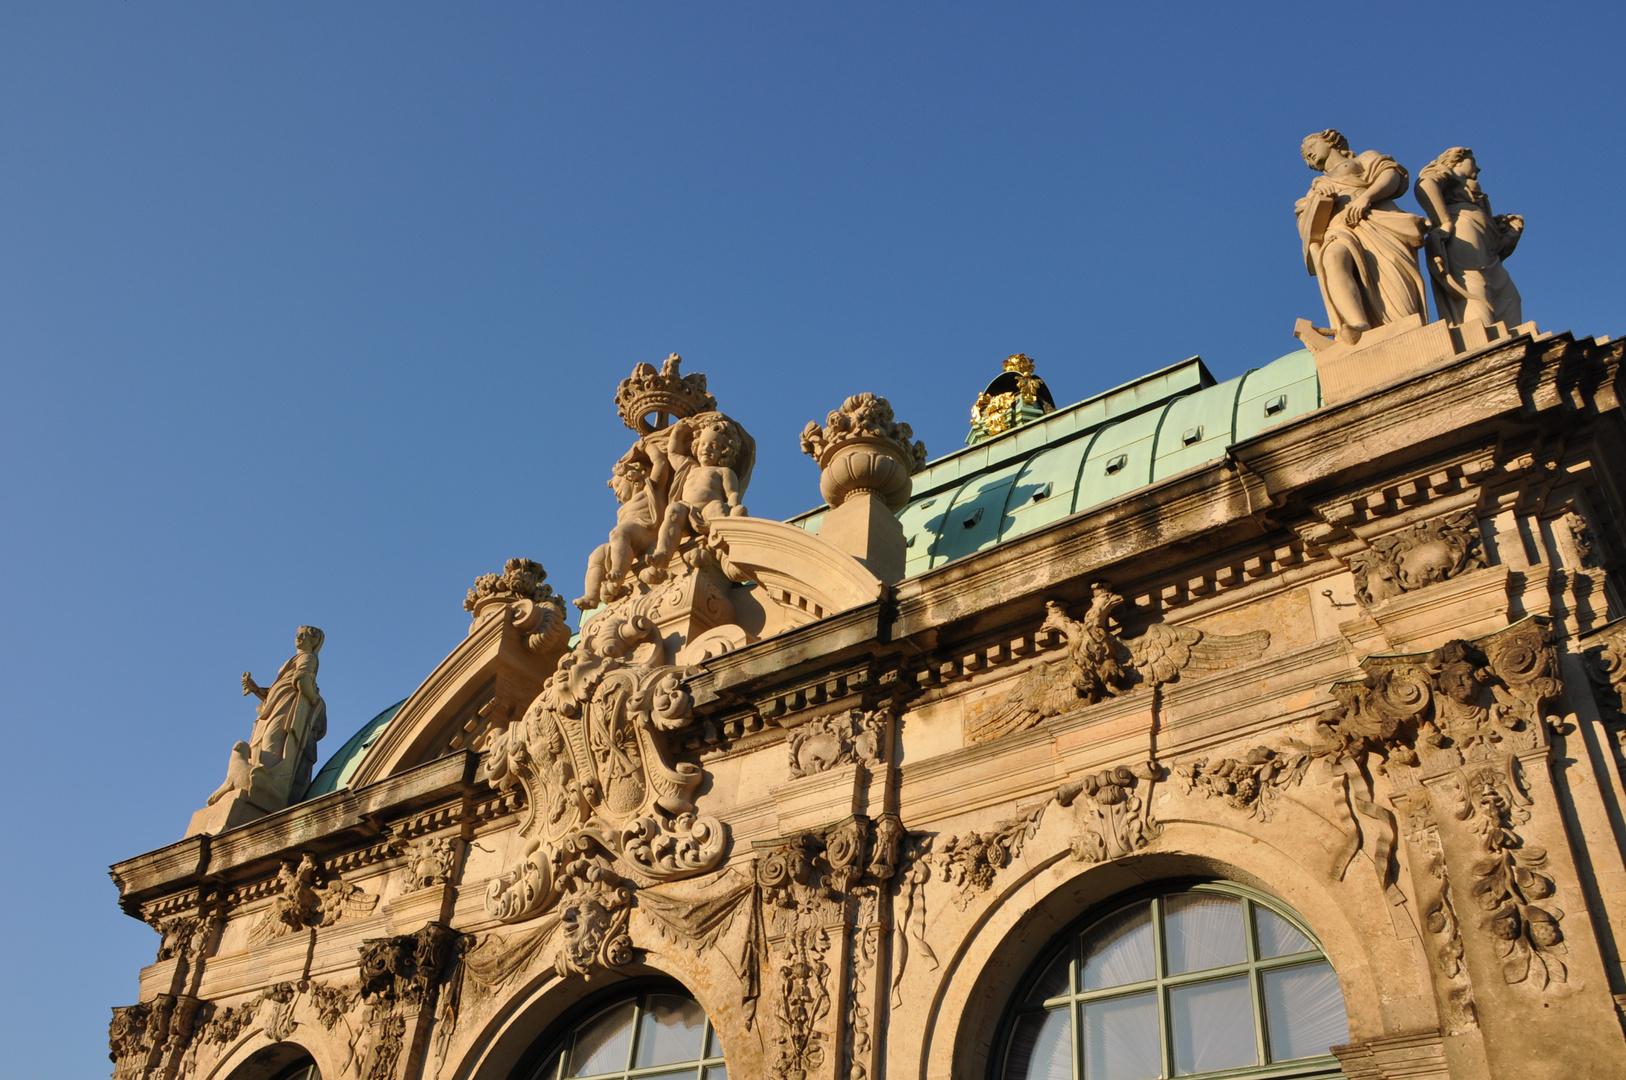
x,y
1040,900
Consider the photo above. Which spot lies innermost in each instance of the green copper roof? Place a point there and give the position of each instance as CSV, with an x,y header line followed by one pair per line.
x,y
339,768
1092,453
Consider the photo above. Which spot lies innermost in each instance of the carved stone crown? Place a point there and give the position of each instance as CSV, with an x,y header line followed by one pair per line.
x,y
663,395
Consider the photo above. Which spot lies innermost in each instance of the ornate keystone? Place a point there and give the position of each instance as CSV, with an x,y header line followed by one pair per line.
x,y
862,449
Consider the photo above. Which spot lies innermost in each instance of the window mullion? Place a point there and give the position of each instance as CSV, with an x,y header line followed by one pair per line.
x,y
1075,1008
1160,971
1256,985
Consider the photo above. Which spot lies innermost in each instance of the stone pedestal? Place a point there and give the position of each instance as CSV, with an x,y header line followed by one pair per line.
x,y
1393,351
866,529
233,809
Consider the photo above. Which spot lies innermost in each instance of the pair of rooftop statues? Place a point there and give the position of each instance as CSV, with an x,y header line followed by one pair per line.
x,y
1363,248
691,464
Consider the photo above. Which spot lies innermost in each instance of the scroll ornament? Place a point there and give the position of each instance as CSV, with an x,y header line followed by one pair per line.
x,y
1101,664
608,809
1116,805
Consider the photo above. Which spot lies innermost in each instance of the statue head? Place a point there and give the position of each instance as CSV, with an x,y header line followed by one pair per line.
x,y
308,639
1459,160
716,443
627,479
1317,147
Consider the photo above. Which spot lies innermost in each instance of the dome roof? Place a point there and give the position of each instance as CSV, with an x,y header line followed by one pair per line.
x,y
1094,452
338,769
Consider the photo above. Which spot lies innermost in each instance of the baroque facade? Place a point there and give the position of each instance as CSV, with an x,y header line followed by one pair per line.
x,y
1268,727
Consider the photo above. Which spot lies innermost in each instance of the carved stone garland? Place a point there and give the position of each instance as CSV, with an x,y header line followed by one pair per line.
x,y
1454,722
820,891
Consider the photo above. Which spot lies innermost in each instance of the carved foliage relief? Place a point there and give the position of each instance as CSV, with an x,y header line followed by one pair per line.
x,y
1450,724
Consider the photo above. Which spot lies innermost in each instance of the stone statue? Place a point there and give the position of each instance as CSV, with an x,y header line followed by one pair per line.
x,y
1356,241
639,481
273,769
1467,243
710,458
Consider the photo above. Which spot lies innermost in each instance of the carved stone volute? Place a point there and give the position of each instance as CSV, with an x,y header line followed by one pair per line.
x,y
519,595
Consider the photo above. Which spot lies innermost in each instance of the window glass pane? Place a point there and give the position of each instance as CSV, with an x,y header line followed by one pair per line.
x,y
549,1069
1304,1011
1118,949
1203,931
681,1074
1041,1047
603,1043
714,1045
1212,1026
718,1073
1055,981
1277,936
669,1030
1121,1039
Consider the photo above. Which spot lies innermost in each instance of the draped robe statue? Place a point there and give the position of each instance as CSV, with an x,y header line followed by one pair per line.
x,y
1360,246
1467,243
273,769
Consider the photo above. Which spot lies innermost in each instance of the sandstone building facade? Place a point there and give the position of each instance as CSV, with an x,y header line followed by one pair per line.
x,y
1262,728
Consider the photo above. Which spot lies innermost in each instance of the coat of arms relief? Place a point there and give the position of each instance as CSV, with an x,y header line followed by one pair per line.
x,y
609,809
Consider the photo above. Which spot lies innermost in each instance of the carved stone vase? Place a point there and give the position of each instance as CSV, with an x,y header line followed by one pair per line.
x,y
865,465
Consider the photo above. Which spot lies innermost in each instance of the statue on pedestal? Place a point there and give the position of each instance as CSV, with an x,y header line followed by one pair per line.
x,y
273,769
1467,243
1356,241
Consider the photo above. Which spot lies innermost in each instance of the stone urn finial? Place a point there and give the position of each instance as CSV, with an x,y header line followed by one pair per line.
x,y
861,448
866,459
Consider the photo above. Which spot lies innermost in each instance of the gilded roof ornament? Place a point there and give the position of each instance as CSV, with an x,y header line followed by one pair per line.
x,y
1016,396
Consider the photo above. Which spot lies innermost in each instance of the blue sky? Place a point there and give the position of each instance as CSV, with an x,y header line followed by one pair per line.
x,y
313,313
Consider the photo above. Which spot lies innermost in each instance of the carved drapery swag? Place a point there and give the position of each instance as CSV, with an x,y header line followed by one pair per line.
x,y
1413,558
1450,722
1100,663
608,809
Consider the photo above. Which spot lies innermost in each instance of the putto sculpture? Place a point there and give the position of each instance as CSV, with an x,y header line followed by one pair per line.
x,y
1359,245
273,769
690,466
1467,243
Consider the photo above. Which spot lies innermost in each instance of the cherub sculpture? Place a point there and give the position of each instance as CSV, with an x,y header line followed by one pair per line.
x,y
640,481
710,457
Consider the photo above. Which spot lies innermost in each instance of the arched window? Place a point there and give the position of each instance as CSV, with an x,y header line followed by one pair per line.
x,y
656,1035
1204,980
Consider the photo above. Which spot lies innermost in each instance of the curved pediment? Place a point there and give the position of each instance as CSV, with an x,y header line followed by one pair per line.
x,y
799,571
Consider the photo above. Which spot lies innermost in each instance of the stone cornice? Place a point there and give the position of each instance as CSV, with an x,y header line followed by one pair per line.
x,y
334,823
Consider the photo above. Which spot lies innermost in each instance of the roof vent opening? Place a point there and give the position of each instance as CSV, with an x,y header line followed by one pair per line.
x,y
1191,436
1276,404
973,519
1042,491
1116,464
